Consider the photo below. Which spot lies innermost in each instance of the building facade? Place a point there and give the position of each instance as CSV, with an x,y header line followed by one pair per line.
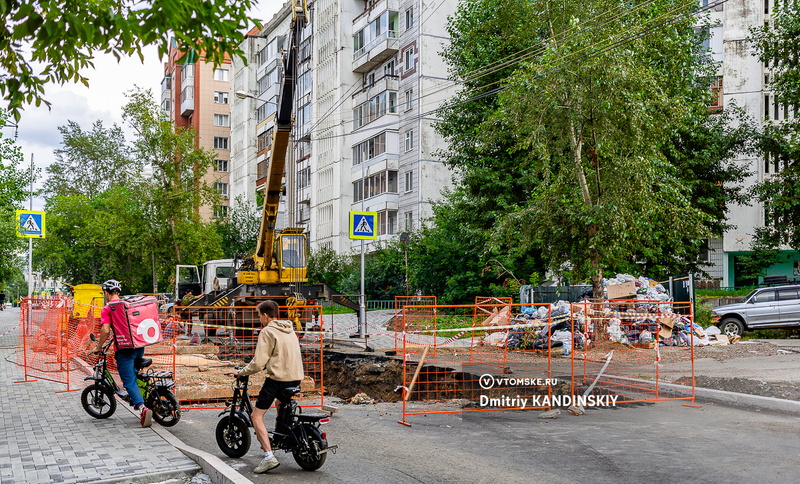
x,y
745,82
369,79
197,95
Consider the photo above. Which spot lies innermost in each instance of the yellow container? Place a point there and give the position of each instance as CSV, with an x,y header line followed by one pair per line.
x,y
88,298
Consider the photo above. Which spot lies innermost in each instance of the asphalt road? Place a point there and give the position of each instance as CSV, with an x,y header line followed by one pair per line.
x,y
664,442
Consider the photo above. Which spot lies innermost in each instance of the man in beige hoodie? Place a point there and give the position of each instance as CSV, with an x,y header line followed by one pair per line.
x,y
278,353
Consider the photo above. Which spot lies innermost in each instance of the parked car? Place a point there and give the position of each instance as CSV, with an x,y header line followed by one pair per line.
x,y
766,307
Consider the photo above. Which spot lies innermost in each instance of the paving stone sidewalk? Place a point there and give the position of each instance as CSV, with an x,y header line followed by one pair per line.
x,y
47,436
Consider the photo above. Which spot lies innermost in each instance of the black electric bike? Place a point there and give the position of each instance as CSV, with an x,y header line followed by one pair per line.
x,y
295,432
156,386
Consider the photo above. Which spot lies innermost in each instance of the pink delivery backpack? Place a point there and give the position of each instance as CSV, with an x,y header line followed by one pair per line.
x,y
135,322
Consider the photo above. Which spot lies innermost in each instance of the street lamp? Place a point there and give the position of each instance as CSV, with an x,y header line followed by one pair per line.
x,y
245,95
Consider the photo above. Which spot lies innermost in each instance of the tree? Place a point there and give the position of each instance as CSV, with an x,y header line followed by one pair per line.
x,y
239,230
587,107
54,40
90,162
13,190
780,142
133,228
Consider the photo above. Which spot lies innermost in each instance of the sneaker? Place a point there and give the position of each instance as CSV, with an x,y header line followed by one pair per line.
x,y
266,465
146,416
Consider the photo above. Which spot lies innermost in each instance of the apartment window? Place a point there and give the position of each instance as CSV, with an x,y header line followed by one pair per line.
x,y
369,149
374,185
409,140
304,82
221,75
221,142
220,211
374,108
222,120
221,166
304,115
409,221
187,71
409,18
388,68
221,188
221,97
409,98
166,105
382,28
409,181
304,177
705,251
264,140
409,58
387,222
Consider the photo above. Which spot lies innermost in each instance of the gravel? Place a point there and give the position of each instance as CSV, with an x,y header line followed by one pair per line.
x,y
745,349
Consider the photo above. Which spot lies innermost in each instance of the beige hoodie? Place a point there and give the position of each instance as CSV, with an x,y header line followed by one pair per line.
x,y
277,352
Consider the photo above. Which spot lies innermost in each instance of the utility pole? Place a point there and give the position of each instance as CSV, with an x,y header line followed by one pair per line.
x,y
30,240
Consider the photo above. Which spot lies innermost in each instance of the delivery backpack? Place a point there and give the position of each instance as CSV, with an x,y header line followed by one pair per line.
x,y
135,322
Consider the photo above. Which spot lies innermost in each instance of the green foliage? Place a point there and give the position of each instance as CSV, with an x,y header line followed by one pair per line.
x,y
586,135
776,45
764,252
702,315
14,183
239,230
341,272
133,228
89,162
729,292
55,40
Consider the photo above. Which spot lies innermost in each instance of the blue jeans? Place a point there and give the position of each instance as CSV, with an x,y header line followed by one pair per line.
x,y
128,374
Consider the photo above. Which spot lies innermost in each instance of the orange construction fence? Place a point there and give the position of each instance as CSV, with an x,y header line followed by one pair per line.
x,y
517,357
210,341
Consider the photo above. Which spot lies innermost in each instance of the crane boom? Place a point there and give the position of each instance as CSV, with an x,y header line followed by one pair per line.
x,y
280,143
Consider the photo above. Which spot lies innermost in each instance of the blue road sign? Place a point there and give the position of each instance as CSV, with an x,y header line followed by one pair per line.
x,y
362,225
31,224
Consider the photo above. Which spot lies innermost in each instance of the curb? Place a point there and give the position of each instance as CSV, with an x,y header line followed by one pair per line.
x,y
151,477
744,400
213,466
216,468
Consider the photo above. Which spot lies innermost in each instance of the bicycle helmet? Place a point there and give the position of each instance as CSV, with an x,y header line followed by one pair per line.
x,y
112,285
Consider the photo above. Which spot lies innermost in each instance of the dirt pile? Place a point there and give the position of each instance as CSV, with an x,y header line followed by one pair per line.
x,y
351,373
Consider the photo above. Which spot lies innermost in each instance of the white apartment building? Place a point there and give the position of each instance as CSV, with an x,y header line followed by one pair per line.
x,y
369,79
745,82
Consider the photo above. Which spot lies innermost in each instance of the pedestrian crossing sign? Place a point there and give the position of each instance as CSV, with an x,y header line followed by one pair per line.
x,y
31,224
362,225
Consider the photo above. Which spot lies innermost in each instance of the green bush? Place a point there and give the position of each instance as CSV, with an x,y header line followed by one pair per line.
x,y
702,315
730,292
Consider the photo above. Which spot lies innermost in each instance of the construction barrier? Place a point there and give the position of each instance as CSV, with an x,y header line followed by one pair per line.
x,y
410,308
501,357
211,341
639,348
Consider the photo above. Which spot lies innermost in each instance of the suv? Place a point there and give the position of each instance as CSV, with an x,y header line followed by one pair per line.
x,y
766,307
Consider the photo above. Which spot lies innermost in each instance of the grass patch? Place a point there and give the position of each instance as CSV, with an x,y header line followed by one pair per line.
x,y
744,291
772,334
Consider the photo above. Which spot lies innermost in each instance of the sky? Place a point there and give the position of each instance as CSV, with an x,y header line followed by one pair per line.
x,y
38,134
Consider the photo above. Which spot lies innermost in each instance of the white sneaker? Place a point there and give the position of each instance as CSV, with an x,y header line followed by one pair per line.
x,y
266,465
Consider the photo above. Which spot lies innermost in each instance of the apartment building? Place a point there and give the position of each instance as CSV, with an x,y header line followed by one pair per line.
x,y
369,78
197,95
745,81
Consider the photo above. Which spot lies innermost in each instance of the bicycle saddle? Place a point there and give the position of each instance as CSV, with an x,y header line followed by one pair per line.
x,y
140,363
288,393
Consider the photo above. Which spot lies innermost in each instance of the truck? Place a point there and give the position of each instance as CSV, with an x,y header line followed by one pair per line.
x,y
278,270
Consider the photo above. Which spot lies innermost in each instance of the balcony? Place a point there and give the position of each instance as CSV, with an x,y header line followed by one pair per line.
x,y
378,50
385,83
187,101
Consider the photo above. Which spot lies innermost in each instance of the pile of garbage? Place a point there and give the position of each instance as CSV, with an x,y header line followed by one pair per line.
x,y
640,288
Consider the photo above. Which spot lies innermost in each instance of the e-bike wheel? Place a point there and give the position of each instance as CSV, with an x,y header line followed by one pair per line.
x,y
165,406
98,401
308,457
233,436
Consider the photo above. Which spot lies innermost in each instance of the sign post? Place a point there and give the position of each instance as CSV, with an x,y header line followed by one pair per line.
x,y
30,224
362,227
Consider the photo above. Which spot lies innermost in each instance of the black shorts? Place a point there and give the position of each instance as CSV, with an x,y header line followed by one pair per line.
x,y
270,391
